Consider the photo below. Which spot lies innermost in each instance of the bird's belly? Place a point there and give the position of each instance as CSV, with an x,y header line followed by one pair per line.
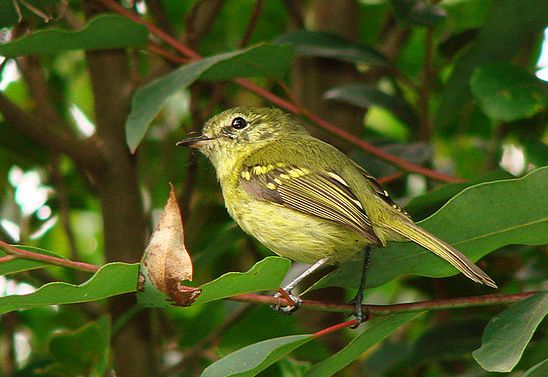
x,y
297,236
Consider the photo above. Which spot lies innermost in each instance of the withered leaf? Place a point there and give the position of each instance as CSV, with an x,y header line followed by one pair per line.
x,y
166,262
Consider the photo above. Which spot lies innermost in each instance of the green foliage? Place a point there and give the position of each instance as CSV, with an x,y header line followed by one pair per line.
x,y
328,45
102,32
508,333
111,280
84,351
453,82
265,275
253,359
376,331
508,93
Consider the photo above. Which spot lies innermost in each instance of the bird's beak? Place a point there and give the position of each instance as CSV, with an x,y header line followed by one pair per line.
x,y
194,142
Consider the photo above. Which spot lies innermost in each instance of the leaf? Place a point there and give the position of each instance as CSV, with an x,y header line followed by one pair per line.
x,y
264,275
84,351
478,220
509,25
102,32
507,334
20,264
261,60
8,14
329,45
506,92
438,342
112,279
418,12
425,205
539,370
254,358
166,262
377,330
365,96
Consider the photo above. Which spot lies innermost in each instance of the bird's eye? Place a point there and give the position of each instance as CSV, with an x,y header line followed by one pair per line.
x,y
239,123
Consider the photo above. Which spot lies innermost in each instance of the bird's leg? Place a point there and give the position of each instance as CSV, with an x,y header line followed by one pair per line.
x,y
357,301
289,287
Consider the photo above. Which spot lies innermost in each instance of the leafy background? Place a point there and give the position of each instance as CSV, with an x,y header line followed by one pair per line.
x,y
442,100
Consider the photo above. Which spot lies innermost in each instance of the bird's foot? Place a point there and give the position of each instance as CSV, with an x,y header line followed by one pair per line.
x,y
361,312
294,302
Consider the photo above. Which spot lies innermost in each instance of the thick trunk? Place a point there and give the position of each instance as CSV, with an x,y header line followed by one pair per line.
x,y
122,210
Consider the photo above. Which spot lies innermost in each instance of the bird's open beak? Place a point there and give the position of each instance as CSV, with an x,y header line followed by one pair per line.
x,y
194,142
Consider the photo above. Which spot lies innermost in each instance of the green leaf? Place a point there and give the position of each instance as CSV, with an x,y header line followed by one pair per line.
x,y
509,26
506,92
507,335
480,219
328,45
261,60
425,205
8,14
254,358
539,370
438,342
365,96
19,264
83,351
264,275
102,32
112,279
376,330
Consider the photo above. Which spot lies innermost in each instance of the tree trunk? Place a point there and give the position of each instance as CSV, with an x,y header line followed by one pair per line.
x,y
339,17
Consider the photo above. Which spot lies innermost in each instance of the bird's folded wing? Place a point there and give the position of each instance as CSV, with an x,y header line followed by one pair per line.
x,y
323,194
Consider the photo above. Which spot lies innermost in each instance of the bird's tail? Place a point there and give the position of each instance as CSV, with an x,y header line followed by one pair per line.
x,y
441,248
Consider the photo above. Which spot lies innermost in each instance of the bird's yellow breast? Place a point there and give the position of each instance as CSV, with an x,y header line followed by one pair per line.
x,y
290,233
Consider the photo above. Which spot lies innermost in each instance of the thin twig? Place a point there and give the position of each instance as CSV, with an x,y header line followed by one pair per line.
x,y
252,24
49,259
426,127
294,11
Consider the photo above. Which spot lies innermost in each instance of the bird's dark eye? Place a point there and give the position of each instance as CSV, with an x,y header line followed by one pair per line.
x,y
239,123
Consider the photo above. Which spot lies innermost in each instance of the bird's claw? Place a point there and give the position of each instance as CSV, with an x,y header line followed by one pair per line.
x,y
287,309
360,315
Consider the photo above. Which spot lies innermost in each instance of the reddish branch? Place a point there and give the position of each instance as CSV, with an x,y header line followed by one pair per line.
x,y
443,304
15,252
289,106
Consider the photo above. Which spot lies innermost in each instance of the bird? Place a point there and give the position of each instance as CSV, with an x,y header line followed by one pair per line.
x,y
306,200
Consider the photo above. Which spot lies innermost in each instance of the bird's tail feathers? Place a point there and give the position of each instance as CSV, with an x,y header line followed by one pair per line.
x,y
443,250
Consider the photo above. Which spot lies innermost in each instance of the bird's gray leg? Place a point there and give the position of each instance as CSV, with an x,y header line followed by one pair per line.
x,y
357,301
289,287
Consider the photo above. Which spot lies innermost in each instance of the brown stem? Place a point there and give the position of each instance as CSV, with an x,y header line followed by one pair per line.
x,y
252,24
64,209
295,12
426,127
443,304
15,252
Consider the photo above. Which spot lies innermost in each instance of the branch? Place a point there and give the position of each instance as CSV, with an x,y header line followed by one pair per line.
x,y
83,153
442,304
327,306
252,24
15,252
191,54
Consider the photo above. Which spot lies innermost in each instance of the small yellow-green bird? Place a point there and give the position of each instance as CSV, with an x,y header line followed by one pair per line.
x,y
304,199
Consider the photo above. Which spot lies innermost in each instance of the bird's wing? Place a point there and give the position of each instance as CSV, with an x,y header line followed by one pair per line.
x,y
323,194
